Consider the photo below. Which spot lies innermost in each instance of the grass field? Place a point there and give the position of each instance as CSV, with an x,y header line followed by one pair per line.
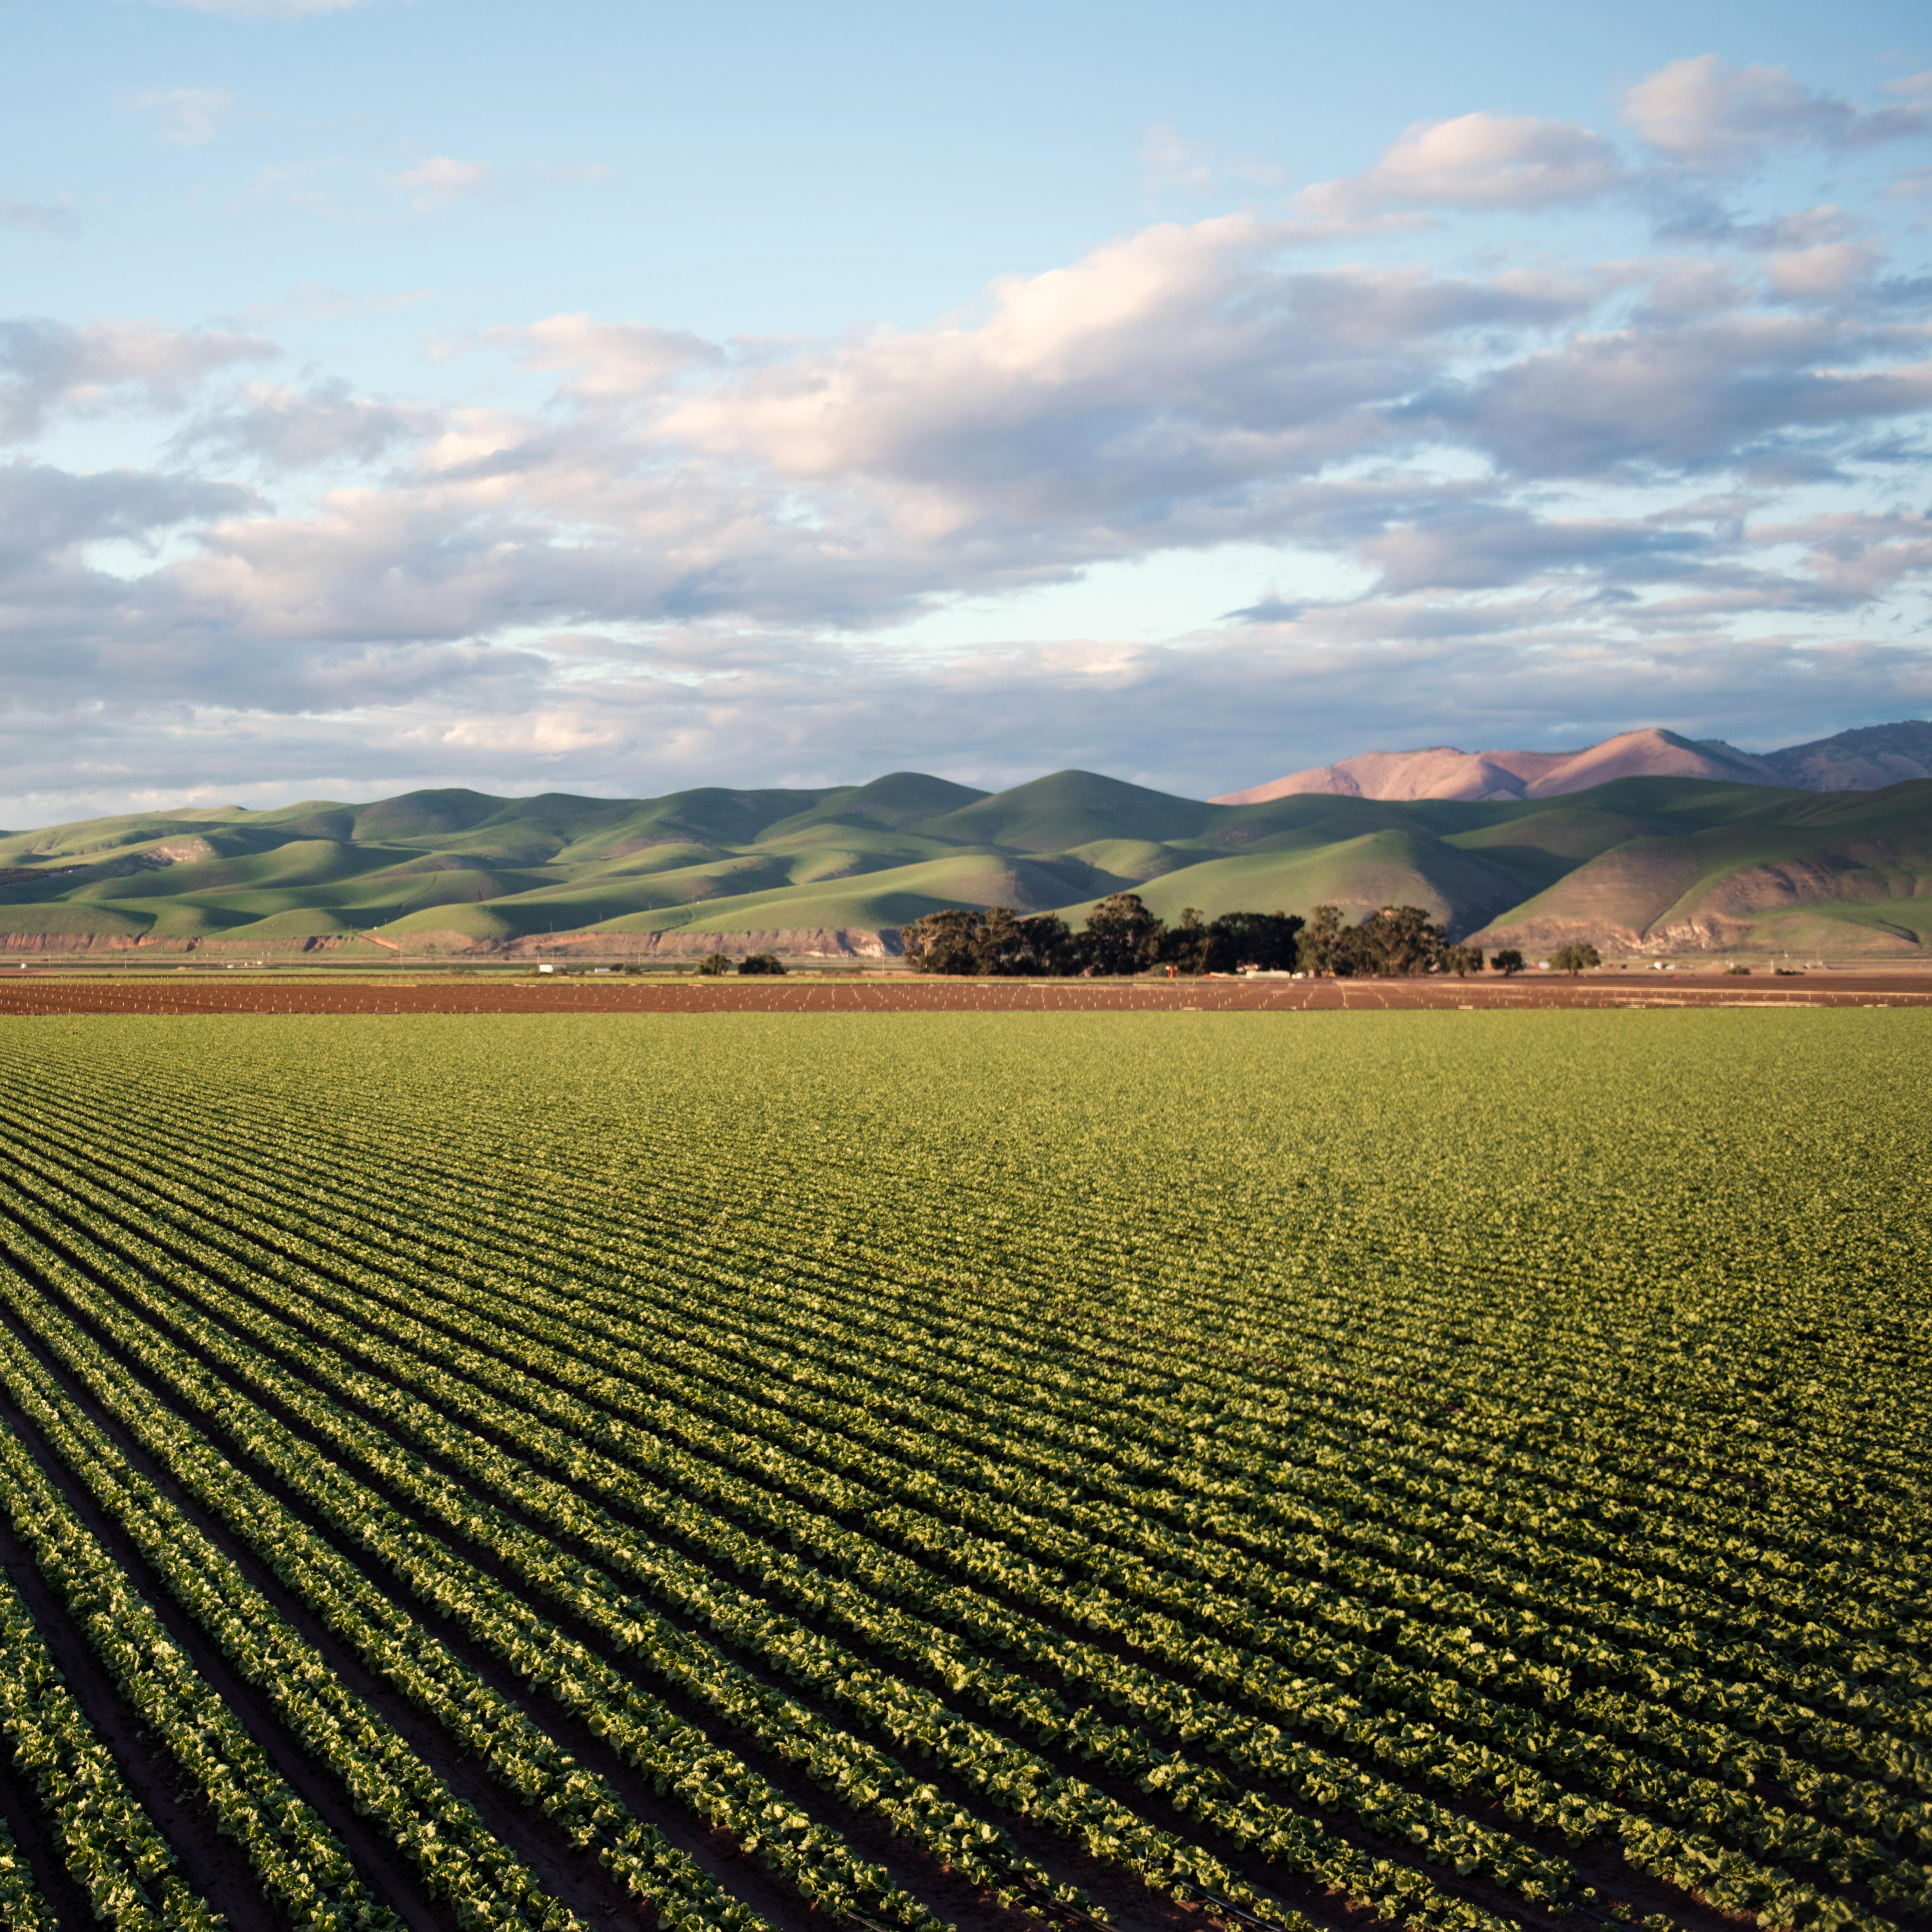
x,y
1460,1471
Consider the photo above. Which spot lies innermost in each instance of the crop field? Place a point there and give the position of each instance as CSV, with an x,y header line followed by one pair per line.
x,y
1457,1471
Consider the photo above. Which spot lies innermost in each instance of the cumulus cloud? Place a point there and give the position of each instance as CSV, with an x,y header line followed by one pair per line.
x,y
1121,397
1240,706
1485,546
1855,555
1181,388
436,183
1534,483
603,358
1477,162
1704,114
1702,395
47,366
1827,270
285,428
46,512
186,114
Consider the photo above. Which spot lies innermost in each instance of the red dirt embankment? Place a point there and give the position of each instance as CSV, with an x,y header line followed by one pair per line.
x,y
30,994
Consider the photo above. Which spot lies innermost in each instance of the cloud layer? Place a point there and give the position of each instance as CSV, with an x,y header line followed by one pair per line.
x,y
1549,488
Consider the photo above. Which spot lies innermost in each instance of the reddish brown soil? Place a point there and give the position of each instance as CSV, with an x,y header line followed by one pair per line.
x,y
30,993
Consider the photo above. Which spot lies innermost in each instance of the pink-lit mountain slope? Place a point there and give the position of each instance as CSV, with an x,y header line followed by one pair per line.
x,y
1859,761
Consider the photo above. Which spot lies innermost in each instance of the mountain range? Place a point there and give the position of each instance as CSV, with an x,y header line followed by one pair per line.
x,y
1862,761
1644,863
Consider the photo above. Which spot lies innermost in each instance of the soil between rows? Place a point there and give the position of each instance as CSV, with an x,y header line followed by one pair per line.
x,y
225,1878
768,1892
1606,1867
32,993
1602,1864
382,1262
543,1850
210,1864
398,1298
540,1846
1130,1903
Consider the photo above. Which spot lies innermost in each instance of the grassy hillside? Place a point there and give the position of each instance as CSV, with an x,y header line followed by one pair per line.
x,y
1802,872
1657,864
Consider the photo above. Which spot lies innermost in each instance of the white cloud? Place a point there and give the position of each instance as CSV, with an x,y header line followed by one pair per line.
x,y
1704,395
1706,115
605,359
1528,488
284,428
1178,360
439,180
1476,162
732,707
47,366
1826,271
188,114
1858,554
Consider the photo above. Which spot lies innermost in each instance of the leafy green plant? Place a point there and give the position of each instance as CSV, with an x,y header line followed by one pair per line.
x,y
870,1428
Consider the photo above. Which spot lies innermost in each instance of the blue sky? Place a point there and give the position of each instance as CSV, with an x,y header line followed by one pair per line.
x,y
610,398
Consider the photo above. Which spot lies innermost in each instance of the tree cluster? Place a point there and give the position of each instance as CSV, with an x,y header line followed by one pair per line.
x,y
1121,936
1396,941
714,964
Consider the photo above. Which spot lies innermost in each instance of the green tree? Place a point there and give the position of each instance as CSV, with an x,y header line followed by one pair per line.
x,y
1122,936
1043,944
761,962
1462,960
1188,945
963,941
712,964
1401,941
1326,947
1508,962
1575,959
948,941
1268,941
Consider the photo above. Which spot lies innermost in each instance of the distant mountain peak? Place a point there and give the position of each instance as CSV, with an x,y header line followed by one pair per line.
x,y
1860,761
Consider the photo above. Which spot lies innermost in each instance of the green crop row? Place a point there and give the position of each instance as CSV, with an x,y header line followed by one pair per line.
x,y
1024,1449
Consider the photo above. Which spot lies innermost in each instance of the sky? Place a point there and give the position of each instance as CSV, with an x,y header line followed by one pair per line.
x,y
614,398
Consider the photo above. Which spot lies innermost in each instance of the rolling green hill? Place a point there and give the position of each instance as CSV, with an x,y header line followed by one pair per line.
x,y
1643,864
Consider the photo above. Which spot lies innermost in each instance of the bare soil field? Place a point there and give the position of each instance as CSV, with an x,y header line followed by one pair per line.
x,y
49,994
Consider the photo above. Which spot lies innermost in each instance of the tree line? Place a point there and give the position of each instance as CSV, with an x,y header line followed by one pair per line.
x,y
1123,936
